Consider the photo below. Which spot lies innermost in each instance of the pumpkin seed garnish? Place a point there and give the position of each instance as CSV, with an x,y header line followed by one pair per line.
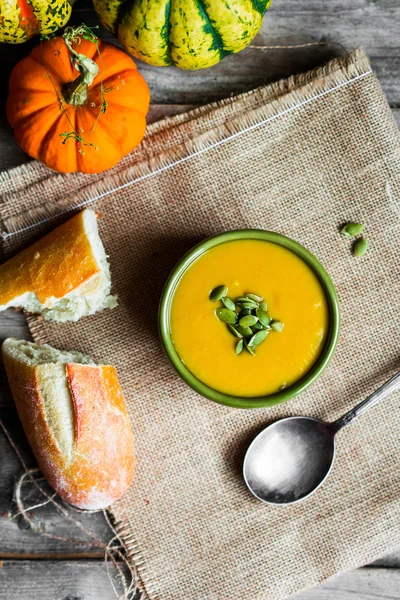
x,y
244,331
234,331
218,292
249,348
352,229
226,316
246,318
239,347
255,297
263,317
277,326
228,303
360,247
249,305
258,338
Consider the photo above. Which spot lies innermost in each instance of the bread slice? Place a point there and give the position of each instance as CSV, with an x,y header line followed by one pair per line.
x,y
75,418
63,276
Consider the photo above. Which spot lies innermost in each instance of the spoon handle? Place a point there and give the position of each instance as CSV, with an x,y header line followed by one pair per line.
x,y
381,393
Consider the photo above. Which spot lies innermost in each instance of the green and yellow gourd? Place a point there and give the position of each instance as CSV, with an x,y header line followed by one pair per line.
x,y
21,19
190,34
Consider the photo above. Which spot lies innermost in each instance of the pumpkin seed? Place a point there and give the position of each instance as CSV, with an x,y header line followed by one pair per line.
x,y
263,317
258,338
255,298
264,306
225,315
244,313
249,305
239,347
244,331
257,326
360,247
234,331
228,303
218,293
249,348
248,321
241,299
352,229
277,325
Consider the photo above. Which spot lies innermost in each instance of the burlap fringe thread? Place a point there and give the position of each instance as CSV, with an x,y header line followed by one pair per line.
x,y
114,551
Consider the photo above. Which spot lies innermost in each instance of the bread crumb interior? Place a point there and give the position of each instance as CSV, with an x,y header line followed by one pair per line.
x,y
53,386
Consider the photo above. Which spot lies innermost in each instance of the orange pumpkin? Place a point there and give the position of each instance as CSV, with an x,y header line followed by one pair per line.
x,y
77,103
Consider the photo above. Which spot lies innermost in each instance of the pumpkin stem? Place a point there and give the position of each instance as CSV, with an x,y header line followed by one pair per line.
x,y
76,92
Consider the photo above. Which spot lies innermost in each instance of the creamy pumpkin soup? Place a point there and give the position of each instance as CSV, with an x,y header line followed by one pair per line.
x,y
249,318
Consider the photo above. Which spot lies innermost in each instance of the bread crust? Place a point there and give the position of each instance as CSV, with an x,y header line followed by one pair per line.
x,y
52,267
102,464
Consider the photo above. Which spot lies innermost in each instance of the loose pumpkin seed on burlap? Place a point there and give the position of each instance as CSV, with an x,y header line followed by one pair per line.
x,y
352,229
360,247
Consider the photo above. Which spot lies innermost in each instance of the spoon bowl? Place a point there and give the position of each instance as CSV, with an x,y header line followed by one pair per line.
x,y
289,460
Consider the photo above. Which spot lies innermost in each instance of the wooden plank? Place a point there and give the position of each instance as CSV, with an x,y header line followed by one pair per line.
x,y
160,111
253,68
364,584
13,324
60,580
390,561
87,580
11,154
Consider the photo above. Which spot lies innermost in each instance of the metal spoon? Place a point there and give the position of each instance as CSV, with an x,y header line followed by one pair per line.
x,y
291,458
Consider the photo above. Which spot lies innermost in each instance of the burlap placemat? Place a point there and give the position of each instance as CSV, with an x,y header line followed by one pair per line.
x,y
299,157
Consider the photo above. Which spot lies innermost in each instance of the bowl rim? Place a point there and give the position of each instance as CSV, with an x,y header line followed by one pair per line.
x,y
242,401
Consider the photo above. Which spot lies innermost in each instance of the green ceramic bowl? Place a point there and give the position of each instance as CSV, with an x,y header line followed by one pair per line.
x,y
237,401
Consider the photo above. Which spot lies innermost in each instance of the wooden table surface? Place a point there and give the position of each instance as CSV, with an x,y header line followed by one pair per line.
x,y
42,568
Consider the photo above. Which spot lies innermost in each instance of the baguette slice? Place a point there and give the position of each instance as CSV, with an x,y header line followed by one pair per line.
x,y
75,418
63,276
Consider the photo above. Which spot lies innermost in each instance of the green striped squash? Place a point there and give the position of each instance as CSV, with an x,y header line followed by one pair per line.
x,y
191,34
21,19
